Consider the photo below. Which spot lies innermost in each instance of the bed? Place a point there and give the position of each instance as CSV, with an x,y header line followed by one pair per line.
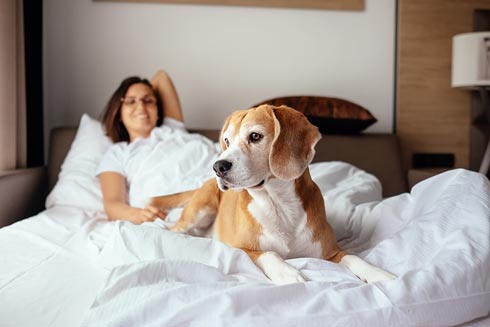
x,y
68,266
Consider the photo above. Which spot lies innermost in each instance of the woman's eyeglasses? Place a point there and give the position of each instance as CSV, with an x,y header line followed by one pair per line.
x,y
132,101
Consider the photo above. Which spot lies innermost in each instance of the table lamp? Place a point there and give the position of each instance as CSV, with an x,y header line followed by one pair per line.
x,y
471,70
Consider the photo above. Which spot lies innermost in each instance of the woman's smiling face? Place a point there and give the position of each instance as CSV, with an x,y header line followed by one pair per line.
x,y
139,112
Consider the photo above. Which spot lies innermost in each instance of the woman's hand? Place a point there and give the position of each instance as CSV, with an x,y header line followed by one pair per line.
x,y
148,213
114,192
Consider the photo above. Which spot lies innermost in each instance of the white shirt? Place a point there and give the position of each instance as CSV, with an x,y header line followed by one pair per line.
x,y
170,160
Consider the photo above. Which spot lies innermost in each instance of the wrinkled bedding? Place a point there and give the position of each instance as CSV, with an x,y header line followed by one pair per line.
x,y
69,266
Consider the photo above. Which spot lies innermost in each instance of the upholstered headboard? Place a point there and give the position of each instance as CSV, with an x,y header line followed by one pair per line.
x,y
378,154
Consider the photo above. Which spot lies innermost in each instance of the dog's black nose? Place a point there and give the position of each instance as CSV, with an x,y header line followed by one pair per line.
x,y
221,167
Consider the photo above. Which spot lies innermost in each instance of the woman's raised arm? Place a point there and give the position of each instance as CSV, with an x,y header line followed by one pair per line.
x,y
165,88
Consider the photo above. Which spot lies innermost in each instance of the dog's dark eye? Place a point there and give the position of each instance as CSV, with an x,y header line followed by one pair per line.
x,y
254,137
227,142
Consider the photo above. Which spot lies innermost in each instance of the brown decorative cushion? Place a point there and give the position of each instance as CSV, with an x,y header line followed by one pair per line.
x,y
330,115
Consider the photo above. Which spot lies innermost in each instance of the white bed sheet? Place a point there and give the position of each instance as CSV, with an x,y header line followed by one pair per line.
x,y
70,267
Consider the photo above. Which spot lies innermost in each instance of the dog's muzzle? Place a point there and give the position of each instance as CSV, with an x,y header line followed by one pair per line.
x,y
222,167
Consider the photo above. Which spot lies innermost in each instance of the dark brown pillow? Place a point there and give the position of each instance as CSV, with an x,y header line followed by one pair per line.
x,y
330,115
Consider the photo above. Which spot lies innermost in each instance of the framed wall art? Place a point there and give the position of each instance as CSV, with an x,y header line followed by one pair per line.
x,y
306,4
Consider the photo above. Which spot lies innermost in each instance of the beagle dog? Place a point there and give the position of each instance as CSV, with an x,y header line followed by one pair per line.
x,y
263,199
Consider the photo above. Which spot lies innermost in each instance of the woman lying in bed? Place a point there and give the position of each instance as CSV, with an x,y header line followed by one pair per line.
x,y
131,119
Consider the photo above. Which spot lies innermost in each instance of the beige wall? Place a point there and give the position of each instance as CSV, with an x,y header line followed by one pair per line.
x,y
432,116
221,57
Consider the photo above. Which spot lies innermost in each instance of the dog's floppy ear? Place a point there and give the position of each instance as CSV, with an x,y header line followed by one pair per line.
x,y
294,143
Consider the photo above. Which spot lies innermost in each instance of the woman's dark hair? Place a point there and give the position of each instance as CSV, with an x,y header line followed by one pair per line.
x,y
111,119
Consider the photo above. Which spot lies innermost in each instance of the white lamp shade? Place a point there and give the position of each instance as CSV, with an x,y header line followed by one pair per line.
x,y
471,60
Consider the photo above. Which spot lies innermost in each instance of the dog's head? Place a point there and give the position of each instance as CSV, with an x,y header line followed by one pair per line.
x,y
262,143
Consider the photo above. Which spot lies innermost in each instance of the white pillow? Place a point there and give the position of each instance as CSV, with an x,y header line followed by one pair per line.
x,y
77,185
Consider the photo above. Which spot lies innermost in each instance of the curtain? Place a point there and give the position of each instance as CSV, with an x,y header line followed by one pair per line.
x,y
12,86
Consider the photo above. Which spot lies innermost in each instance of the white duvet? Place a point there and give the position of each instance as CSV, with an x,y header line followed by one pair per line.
x,y
71,267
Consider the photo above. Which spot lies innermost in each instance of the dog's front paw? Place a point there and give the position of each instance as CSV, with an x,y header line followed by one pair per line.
x,y
377,275
285,275
278,271
365,271
178,229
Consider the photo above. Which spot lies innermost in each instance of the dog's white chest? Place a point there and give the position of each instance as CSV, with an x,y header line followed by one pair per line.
x,y
280,212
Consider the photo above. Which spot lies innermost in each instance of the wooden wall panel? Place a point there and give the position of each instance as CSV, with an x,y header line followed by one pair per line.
x,y
8,84
431,116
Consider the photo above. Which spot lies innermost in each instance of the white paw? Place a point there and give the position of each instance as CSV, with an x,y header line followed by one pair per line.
x,y
365,271
285,275
377,275
278,271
